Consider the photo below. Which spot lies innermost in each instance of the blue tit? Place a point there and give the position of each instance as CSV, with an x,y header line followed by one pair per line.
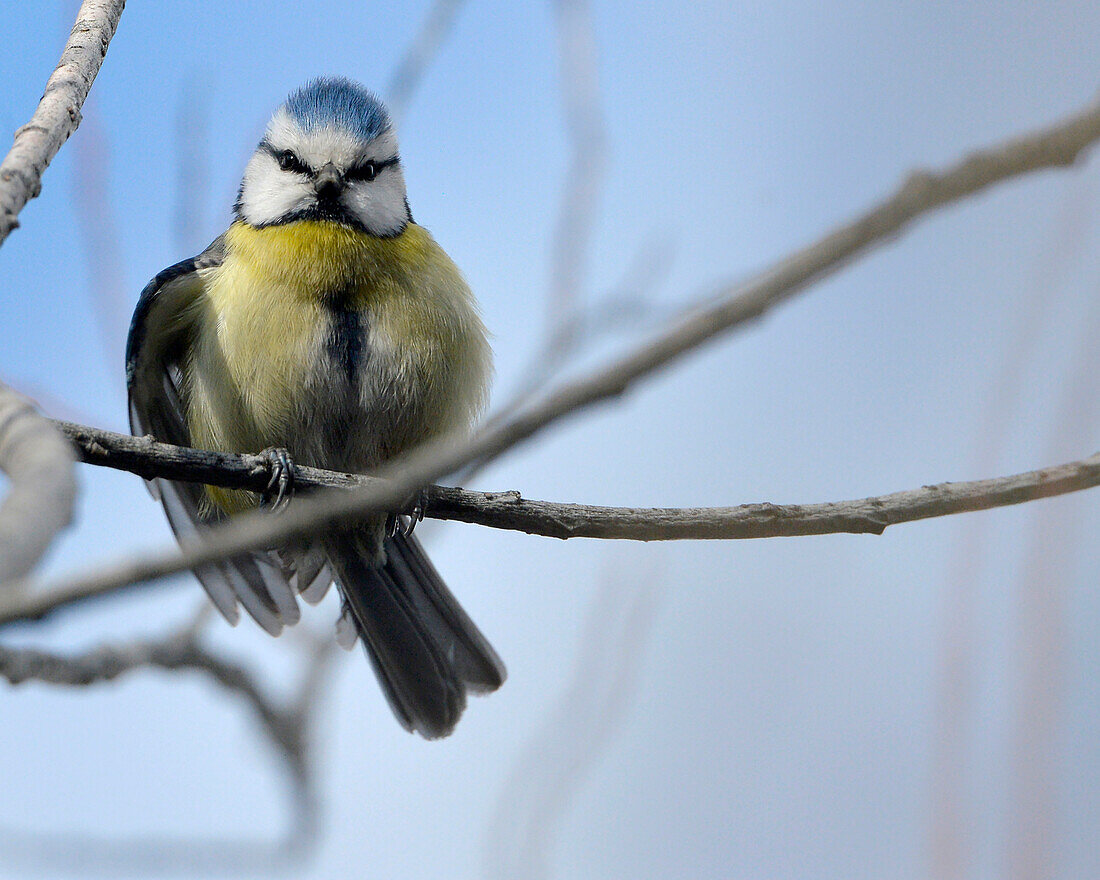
x,y
326,323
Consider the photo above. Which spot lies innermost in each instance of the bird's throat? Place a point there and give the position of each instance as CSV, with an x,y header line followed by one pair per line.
x,y
319,258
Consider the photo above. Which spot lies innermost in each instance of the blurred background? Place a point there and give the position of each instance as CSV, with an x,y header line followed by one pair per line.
x,y
921,704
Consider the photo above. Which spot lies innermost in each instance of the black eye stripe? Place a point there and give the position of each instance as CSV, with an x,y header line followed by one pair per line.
x,y
370,170
365,171
288,160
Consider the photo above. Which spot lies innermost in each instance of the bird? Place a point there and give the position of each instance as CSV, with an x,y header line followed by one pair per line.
x,y
324,327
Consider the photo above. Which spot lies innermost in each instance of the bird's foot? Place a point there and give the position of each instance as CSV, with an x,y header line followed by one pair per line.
x,y
280,486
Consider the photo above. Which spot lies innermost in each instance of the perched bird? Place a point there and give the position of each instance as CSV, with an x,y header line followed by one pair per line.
x,y
326,328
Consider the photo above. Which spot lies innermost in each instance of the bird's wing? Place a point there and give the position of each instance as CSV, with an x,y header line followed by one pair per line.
x,y
160,334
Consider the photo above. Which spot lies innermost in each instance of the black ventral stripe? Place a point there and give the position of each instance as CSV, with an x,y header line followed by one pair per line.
x,y
347,339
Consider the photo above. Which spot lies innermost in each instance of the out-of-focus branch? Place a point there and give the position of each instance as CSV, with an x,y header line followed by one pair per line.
x,y
584,124
287,726
557,761
410,70
96,220
628,304
572,322
192,135
41,467
951,833
922,192
1041,649
183,651
58,113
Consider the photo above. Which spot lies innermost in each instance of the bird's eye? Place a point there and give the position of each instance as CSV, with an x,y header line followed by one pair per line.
x,y
289,162
366,171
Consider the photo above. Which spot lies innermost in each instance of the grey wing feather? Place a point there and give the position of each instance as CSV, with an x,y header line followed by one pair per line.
x,y
156,345
309,572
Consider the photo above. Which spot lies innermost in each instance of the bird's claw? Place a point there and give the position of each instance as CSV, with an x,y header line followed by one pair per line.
x,y
280,486
396,524
405,523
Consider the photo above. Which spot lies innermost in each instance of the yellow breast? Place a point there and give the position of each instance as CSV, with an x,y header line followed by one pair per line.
x,y
261,357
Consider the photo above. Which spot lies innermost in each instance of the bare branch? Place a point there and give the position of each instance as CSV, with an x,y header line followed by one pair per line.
x,y
922,192
58,113
761,520
508,510
40,499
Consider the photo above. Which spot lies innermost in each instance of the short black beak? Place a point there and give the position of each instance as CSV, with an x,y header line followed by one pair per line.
x,y
328,183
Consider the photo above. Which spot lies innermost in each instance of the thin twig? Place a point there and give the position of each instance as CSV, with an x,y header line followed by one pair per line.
x,y
922,192
58,113
39,501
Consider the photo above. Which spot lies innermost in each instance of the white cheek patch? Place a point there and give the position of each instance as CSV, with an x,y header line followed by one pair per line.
x,y
379,204
268,193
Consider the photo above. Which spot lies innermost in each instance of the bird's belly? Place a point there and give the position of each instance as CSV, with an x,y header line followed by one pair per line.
x,y
326,382
361,400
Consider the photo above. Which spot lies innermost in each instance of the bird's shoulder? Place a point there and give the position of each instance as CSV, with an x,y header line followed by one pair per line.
x,y
170,289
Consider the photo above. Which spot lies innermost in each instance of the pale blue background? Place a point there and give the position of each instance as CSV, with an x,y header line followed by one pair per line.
x,y
781,718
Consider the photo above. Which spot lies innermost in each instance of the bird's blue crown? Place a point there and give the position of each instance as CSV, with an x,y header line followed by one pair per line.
x,y
339,102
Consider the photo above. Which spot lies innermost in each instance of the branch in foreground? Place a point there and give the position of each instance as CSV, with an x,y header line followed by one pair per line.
x,y
1056,146
39,501
58,113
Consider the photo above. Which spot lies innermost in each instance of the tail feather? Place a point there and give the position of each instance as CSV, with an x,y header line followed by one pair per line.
x,y
426,651
473,658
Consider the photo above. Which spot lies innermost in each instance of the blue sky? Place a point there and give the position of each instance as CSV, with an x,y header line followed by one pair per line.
x,y
781,712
